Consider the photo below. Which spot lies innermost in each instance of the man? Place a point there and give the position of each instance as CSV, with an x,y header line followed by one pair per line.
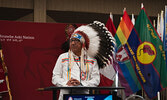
x,y
75,68
68,31
78,66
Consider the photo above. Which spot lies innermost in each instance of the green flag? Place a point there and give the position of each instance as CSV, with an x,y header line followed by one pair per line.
x,y
151,57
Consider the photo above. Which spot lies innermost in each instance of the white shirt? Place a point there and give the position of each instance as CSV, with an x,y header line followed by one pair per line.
x,y
60,71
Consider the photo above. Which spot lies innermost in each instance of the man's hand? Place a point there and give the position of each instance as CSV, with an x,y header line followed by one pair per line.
x,y
73,82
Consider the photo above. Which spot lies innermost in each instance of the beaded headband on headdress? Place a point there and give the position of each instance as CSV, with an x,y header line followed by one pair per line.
x,y
100,42
78,36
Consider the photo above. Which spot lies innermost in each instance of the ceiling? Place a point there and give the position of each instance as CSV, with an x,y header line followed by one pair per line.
x,y
13,13
61,16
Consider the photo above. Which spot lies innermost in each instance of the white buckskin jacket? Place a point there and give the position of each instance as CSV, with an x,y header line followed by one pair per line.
x,y
61,72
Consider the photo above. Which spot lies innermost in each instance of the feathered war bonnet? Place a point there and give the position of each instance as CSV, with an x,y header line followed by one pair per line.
x,y
99,42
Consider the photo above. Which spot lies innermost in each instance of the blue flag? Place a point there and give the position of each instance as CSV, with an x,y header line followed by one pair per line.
x,y
147,52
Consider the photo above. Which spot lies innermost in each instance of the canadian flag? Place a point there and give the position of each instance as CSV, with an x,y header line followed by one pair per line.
x,y
107,74
110,25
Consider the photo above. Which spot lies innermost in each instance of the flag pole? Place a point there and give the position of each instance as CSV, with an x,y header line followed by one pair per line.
x,y
158,95
133,19
154,23
142,5
124,10
158,23
6,75
161,37
162,24
111,16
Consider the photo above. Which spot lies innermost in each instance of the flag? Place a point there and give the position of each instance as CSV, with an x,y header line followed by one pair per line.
x,y
126,72
133,19
3,86
158,25
165,30
148,56
165,33
161,25
107,74
110,25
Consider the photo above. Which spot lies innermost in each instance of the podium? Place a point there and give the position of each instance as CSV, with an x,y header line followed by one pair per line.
x,y
54,89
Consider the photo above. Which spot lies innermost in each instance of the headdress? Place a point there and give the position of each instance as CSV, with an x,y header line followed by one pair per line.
x,y
99,42
78,36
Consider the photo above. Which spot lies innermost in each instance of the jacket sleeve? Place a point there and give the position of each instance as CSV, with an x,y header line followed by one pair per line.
x,y
57,77
94,77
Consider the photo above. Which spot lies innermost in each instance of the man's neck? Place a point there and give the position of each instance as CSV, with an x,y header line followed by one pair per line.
x,y
78,54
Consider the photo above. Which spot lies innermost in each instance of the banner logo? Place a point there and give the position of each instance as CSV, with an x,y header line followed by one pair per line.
x,y
70,98
122,54
146,53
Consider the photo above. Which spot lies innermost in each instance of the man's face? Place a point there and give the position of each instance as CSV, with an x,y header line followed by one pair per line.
x,y
75,46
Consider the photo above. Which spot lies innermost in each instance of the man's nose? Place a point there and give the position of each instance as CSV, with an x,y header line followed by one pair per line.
x,y
72,42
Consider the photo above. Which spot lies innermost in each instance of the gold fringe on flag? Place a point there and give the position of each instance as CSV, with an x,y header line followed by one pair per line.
x,y
6,74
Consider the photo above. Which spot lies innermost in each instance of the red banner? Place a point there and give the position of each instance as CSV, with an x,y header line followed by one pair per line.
x,y
30,53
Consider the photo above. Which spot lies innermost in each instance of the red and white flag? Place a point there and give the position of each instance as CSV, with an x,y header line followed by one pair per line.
x,y
160,25
110,25
108,73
